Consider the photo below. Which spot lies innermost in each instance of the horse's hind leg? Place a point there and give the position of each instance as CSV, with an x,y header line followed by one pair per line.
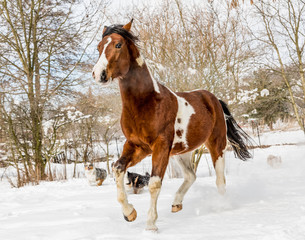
x,y
131,155
184,161
217,149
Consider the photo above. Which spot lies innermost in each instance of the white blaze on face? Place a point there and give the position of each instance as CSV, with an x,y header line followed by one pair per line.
x,y
184,113
101,64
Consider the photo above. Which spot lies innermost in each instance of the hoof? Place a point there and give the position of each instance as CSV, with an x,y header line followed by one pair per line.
x,y
132,216
176,208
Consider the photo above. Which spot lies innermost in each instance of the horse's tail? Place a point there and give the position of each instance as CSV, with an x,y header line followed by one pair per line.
x,y
238,138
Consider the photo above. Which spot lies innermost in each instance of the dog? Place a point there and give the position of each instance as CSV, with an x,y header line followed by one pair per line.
x,y
95,176
137,181
274,161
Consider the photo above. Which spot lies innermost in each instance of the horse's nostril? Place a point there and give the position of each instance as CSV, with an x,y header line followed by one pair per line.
x,y
104,73
93,74
103,76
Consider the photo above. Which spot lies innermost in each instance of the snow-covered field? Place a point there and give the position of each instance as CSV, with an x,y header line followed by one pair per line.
x,y
261,203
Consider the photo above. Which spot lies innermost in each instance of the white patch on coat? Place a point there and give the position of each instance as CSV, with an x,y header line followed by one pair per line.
x,y
140,61
154,81
184,113
101,64
194,90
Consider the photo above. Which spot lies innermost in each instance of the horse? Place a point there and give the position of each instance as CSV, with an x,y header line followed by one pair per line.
x,y
159,122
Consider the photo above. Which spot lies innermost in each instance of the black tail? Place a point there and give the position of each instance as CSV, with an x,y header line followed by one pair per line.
x,y
238,138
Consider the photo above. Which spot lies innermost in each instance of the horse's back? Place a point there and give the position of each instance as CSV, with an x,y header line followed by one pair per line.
x,y
199,97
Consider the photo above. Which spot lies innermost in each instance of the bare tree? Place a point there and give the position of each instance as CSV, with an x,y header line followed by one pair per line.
x,y
284,35
40,51
191,47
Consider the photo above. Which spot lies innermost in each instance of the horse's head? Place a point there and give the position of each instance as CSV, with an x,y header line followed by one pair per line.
x,y
117,52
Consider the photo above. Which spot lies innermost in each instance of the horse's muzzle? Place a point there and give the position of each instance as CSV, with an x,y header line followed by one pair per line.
x,y
103,78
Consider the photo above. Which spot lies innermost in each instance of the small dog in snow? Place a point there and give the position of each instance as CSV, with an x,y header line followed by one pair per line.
x,y
95,176
137,181
274,161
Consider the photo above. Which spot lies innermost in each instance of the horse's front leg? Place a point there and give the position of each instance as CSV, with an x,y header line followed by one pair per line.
x,y
131,155
160,158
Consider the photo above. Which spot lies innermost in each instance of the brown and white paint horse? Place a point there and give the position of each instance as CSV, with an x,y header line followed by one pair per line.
x,y
158,121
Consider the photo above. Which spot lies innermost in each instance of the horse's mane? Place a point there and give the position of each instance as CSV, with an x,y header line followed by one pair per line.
x,y
118,29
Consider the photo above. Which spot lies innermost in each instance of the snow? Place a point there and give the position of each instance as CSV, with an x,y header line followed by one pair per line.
x,y
246,96
47,125
261,203
264,92
192,71
281,137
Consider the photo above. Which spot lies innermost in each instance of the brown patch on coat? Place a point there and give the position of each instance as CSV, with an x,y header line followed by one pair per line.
x,y
179,132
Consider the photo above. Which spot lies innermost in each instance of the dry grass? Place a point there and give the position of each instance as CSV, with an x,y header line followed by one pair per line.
x,y
20,179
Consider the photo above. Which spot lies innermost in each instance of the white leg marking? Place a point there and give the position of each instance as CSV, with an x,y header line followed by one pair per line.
x,y
101,64
189,177
154,189
220,177
121,193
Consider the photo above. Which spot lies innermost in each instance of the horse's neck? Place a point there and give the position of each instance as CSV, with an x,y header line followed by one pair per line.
x,y
137,85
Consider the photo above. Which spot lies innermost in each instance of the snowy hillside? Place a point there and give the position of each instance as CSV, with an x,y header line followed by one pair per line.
x,y
261,203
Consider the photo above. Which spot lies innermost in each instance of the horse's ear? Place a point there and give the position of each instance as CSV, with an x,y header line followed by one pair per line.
x,y
128,25
105,27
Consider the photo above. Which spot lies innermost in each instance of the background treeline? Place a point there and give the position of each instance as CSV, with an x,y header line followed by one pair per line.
x,y
249,55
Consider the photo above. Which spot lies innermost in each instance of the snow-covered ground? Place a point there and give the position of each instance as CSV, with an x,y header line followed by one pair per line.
x,y
261,203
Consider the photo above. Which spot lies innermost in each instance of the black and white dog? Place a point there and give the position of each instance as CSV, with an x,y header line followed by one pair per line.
x,y
137,181
95,176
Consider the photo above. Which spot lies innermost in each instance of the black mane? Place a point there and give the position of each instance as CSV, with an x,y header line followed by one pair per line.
x,y
118,29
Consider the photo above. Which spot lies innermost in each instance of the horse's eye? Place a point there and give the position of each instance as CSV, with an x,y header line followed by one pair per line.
x,y
118,45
